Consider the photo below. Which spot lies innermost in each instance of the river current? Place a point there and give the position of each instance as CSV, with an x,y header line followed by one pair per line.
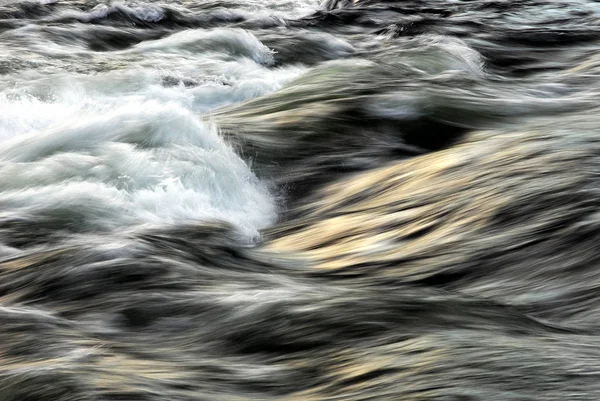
x,y
299,200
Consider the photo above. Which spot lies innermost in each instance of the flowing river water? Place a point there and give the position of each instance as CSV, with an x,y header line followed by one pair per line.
x,y
300,200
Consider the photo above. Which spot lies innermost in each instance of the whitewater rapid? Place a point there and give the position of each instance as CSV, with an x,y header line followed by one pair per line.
x,y
276,200
94,141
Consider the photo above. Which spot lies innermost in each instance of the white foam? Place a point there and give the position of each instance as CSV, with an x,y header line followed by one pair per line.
x,y
144,163
235,42
143,11
122,141
150,12
119,149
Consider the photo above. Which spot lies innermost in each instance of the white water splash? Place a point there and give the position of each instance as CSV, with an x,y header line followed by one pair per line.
x,y
129,146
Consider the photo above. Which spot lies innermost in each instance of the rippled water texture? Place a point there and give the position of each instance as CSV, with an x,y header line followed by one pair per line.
x,y
300,200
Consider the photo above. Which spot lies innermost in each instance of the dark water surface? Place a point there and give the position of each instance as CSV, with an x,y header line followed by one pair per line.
x,y
294,200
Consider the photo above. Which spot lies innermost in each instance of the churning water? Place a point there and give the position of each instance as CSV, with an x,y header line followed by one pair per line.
x,y
299,200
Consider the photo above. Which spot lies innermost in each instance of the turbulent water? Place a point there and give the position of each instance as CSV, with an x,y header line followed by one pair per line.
x,y
300,200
